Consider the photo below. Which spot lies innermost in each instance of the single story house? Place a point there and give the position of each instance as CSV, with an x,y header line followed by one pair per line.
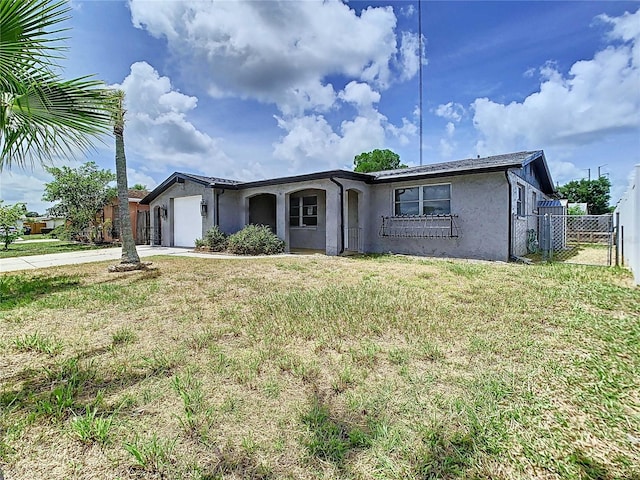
x,y
138,212
466,208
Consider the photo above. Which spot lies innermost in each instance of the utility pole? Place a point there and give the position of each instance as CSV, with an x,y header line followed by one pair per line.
x,y
589,173
599,169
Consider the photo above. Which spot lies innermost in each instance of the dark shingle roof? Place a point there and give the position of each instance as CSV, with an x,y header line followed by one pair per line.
x,y
467,165
494,163
211,180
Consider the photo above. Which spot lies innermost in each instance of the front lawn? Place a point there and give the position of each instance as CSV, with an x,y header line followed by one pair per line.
x,y
320,367
26,248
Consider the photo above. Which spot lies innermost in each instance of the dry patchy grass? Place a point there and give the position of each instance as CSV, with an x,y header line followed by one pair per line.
x,y
320,367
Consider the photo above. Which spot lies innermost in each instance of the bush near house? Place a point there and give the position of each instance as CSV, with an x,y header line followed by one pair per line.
x,y
255,240
251,240
215,239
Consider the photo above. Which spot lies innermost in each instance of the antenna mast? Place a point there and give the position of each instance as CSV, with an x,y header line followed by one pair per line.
x,y
420,69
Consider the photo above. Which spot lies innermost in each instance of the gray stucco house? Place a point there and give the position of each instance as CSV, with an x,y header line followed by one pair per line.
x,y
466,208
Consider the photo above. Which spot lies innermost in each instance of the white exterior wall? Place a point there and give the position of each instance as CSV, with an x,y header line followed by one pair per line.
x,y
481,202
628,209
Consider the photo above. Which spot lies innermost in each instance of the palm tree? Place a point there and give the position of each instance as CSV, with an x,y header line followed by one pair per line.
x,y
42,116
129,251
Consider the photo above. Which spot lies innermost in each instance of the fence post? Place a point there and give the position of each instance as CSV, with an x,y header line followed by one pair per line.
x,y
551,239
617,237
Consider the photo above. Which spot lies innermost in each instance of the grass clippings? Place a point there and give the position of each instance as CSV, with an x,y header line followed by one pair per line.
x,y
320,367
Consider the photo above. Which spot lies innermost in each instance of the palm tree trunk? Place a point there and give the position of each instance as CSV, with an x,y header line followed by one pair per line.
x,y
129,252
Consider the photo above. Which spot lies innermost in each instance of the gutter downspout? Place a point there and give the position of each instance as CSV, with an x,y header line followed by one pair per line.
x,y
341,214
509,251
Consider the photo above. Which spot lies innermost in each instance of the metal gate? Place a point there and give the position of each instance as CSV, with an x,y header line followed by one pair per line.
x,y
580,239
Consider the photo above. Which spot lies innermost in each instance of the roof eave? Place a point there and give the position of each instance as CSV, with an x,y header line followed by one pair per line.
x,y
173,178
346,174
440,174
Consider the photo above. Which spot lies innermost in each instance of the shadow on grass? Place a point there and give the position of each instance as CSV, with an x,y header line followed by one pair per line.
x,y
19,290
590,469
236,463
331,438
69,386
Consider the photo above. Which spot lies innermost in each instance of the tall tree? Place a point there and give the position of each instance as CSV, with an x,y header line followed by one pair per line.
x,y
595,193
129,252
42,116
376,161
81,193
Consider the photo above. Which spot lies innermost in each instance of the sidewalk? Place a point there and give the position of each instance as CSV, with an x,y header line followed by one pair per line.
x,y
87,256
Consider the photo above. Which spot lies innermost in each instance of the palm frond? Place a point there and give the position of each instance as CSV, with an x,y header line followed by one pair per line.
x,y
42,116
53,119
30,40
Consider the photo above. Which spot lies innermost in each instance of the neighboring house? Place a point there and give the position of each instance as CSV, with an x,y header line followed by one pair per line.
x,y
467,208
138,212
42,224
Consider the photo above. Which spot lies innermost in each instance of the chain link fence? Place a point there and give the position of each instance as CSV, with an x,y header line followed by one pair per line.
x,y
582,239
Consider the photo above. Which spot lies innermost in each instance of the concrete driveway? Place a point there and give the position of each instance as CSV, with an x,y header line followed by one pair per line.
x,y
86,256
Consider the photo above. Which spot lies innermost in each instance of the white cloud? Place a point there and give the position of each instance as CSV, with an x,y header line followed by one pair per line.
x,y
450,111
407,11
409,55
360,94
25,186
451,128
598,97
311,143
446,148
280,52
405,133
157,127
136,177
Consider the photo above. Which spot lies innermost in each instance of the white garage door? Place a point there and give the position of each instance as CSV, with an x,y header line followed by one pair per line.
x,y
187,221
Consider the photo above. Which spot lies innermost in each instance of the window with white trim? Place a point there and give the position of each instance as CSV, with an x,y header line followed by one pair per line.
x,y
520,201
423,200
303,211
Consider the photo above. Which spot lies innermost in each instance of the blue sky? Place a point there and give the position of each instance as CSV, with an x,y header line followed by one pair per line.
x,y
251,90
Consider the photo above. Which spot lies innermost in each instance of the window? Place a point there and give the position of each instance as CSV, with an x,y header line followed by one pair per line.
x,y
520,201
424,200
303,211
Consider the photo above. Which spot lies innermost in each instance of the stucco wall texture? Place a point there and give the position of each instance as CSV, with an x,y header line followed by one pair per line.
x,y
480,201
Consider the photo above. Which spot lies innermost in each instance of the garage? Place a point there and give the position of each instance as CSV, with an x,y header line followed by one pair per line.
x,y
187,221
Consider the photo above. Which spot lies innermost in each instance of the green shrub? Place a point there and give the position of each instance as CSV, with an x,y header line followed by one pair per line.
x,y
215,239
61,232
255,240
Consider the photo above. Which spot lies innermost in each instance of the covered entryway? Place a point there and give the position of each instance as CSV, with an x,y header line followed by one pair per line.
x,y
262,210
354,232
307,220
187,221
157,225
